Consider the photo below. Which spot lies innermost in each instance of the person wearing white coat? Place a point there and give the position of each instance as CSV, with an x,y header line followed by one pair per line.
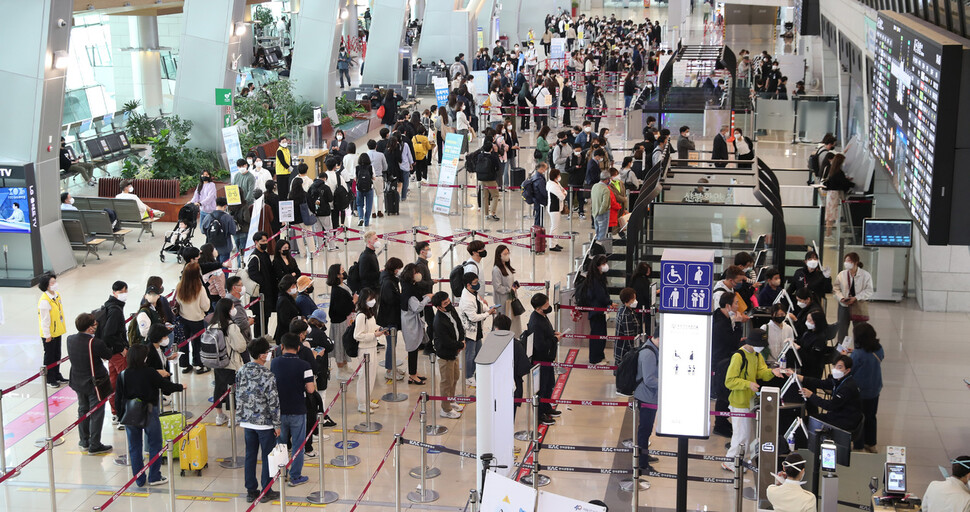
x,y
852,288
366,332
473,310
557,204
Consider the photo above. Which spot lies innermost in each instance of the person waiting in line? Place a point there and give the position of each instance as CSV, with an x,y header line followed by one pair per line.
x,y
726,336
87,354
597,296
367,332
779,333
286,309
844,408
602,202
747,367
640,282
449,336
262,175
204,196
304,296
733,281
284,264
128,192
294,376
76,165
867,357
684,144
647,391
389,311
260,270
836,185
576,170
370,267
271,203
627,325
853,288
140,382
213,279
258,411
193,306
414,299
770,288
557,205
812,276
342,304
364,173
951,494
545,340
147,316
473,310
806,303
245,180
504,286
114,334
813,347
788,495
222,320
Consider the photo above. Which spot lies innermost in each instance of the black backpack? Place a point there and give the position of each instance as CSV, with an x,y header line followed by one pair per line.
x,y
365,179
471,161
581,295
101,317
626,372
351,345
341,196
353,277
215,232
457,280
815,162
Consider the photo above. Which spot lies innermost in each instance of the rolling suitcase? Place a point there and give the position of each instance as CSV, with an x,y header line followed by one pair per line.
x,y
392,200
539,246
172,425
194,449
516,177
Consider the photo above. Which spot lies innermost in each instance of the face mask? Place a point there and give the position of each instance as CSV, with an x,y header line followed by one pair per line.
x,y
426,255
476,287
577,153
259,164
604,268
284,144
249,161
547,310
131,190
633,304
371,303
291,291
810,326
285,252
152,299
778,319
812,264
848,265
123,297
418,277
70,201
687,134
758,349
731,314
837,373
802,305
263,245
378,245
206,179
397,273
340,137
242,290
506,258
215,254
52,287
587,129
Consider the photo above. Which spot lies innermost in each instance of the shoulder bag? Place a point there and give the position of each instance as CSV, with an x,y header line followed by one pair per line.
x,y
136,410
517,308
102,386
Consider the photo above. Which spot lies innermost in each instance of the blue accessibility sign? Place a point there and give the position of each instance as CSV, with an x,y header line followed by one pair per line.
x,y
685,286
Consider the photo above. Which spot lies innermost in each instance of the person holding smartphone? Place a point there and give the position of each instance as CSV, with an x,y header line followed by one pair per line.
x,y
473,310
366,332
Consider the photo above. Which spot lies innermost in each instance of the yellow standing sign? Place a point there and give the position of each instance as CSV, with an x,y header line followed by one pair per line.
x,y
232,195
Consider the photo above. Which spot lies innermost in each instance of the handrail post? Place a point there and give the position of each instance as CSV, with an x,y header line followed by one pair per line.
x,y
232,462
3,449
434,429
368,425
423,471
323,496
345,460
47,414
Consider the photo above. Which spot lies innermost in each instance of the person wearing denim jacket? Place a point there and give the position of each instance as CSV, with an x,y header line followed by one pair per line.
x,y
258,413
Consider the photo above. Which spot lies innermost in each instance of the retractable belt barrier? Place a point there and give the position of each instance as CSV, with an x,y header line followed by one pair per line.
x,y
387,453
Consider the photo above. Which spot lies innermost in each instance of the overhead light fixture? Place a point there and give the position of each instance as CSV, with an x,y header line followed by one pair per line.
x,y
61,59
240,29
344,13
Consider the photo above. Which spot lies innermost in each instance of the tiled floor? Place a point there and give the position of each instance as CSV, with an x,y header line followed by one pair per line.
x,y
923,402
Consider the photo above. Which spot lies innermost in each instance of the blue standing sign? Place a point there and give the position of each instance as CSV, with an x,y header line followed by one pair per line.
x,y
685,286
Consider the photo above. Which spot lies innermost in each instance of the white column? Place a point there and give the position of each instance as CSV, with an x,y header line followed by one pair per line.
x,y
146,68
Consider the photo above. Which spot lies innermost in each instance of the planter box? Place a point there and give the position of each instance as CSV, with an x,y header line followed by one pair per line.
x,y
159,194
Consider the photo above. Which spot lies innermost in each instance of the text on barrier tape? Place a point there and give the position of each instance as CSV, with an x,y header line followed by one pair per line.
x,y
706,479
603,449
577,365
442,449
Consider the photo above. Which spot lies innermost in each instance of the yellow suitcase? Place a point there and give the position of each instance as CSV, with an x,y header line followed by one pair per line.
x,y
194,451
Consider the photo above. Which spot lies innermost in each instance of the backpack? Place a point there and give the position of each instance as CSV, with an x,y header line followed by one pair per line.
x,y
215,232
113,217
100,317
457,280
472,160
351,345
341,197
214,351
626,371
353,277
815,162
365,179
581,295
528,189
134,335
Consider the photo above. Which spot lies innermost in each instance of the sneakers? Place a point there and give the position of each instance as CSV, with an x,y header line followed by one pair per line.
x,y
54,384
115,419
400,375
557,248
161,481
327,422
361,409
457,407
199,370
727,466
374,405
186,369
360,222
310,454
251,496
221,419
554,413
270,495
470,381
300,480
547,420
94,450
450,414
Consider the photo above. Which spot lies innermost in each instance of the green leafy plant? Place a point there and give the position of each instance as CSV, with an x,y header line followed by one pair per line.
x,y
171,159
263,18
347,107
272,111
139,127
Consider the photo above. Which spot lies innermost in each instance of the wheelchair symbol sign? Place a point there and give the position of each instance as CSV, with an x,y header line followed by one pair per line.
x,y
673,274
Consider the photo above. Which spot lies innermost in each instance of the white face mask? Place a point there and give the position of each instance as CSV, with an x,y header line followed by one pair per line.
x,y
633,304
378,245
131,190
165,342
52,287
397,273
292,291
848,265
259,164
340,137
587,129
123,297
506,258
215,254
284,144
810,326
812,264
837,373
70,201
686,134
249,161
802,305
371,303
758,349
604,268
242,290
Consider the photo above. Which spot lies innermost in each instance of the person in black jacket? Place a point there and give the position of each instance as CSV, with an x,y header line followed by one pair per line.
x,y
260,270
286,308
272,199
640,282
81,348
114,334
720,150
144,383
487,171
544,342
806,304
844,409
726,336
448,342
520,360
813,344
284,264
342,306
576,169
813,276
389,306
390,108
370,267
598,297
426,285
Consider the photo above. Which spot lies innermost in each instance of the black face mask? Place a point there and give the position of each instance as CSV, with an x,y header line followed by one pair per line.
x,y
778,319
483,253
206,179
263,246
285,252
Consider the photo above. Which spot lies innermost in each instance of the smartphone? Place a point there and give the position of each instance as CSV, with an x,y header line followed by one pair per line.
x,y
493,306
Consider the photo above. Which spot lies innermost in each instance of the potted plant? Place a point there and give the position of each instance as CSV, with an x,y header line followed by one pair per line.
x,y
575,7
271,111
171,159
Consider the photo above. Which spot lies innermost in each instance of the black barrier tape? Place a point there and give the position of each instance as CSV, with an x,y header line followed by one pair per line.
x,y
439,448
569,469
867,508
748,465
697,456
605,449
706,479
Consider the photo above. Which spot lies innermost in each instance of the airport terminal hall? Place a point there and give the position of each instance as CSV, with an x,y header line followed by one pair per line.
x,y
485,256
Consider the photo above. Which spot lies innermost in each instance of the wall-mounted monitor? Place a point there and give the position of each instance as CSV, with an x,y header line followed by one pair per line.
x,y
887,233
14,210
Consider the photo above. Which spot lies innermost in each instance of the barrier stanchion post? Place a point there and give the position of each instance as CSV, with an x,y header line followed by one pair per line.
x,y
532,249
394,396
397,472
346,460
505,210
422,494
179,395
346,252
49,443
3,448
434,429
232,461
47,413
420,207
171,475
323,496
738,480
572,249
263,323
280,479
526,435
368,425
631,484
423,471
534,478
572,214
461,370
310,257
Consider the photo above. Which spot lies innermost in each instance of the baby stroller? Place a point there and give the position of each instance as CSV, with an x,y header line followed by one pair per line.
x,y
181,237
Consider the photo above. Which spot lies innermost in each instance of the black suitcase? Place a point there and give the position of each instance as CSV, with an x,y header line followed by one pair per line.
x,y
392,200
516,177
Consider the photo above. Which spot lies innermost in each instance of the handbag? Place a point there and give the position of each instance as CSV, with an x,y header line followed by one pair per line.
x,y
517,308
278,456
536,154
136,410
102,386
859,311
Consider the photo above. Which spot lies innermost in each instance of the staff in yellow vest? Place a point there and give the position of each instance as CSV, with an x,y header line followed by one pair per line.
x,y
50,314
283,167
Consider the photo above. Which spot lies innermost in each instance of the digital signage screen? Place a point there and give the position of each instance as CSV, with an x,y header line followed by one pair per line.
x,y
14,210
913,116
887,233
685,375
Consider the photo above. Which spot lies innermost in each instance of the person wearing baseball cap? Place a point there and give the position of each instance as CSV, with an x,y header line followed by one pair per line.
x,y
304,298
746,368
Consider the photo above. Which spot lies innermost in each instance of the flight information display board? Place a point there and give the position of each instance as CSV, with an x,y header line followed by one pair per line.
x,y
916,71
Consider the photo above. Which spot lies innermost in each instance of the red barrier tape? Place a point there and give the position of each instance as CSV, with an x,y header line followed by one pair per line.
x,y
577,365
383,460
584,402
587,308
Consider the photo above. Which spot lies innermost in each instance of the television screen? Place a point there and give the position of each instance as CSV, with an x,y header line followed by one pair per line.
x,y
887,233
14,216
916,71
